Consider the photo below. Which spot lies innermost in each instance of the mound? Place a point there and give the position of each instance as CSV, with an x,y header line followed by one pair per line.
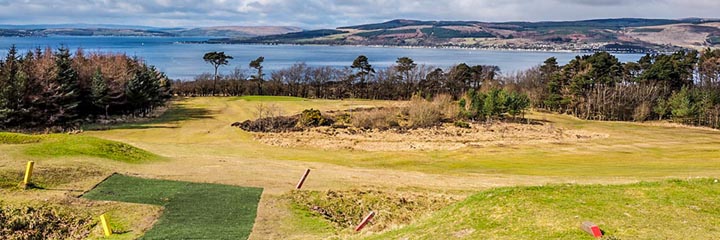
x,y
674,209
74,145
446,137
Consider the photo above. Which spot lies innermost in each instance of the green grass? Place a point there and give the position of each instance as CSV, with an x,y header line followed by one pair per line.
x,y
673,209
59,145
17,138
192,210
269,98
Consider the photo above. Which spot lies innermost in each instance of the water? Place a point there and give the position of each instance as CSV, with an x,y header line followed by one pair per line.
x,y
184,61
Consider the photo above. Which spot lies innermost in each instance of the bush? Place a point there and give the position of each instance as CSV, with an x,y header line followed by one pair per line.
x,y
422,113
312,118
642,112
462,124
373,119
43,222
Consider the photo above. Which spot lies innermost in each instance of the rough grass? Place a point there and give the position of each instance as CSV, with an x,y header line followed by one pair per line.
x,y
58,145
43,222
192,210
674,209
344,209
268,98
17,138
46,177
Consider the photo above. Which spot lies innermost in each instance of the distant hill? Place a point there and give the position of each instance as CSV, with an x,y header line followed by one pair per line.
x,y
618,35
40,30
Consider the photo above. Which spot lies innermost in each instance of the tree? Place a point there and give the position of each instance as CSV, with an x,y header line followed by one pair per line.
x,y
364,69
67,96
405,67
257,65
217,59
99,92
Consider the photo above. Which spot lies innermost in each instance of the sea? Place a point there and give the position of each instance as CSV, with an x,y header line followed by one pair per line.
x,y
182,60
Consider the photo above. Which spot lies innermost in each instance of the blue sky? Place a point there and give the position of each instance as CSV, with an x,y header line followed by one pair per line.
x,y
312,14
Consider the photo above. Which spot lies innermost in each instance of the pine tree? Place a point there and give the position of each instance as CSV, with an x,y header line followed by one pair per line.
x,y
66,95
100,93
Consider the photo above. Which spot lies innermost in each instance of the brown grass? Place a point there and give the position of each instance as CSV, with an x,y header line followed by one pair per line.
x,y
445,137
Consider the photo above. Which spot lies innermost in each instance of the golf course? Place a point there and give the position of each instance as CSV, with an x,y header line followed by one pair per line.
x,y
187,173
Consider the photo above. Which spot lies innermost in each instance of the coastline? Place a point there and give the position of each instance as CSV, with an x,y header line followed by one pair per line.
x,y
498,49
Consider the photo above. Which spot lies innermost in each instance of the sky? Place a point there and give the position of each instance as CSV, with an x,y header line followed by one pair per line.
x,y
313,14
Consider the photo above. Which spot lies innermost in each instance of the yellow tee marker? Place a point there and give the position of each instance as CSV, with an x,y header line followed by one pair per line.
x,y
28,173
105,225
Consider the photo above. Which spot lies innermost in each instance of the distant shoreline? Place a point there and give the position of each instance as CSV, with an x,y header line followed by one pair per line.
x,y
423,47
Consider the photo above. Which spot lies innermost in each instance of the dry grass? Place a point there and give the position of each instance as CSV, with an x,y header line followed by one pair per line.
x,y
446,137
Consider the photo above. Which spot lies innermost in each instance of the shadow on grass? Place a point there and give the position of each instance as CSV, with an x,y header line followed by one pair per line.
x,y
176,113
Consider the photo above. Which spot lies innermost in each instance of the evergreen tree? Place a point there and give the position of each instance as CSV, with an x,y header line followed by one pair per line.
x,y
66,96
100,93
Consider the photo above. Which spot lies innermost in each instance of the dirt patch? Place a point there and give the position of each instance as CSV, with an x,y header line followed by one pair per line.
x,y
445,137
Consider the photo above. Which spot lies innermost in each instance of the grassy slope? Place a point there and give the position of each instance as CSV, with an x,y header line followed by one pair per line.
x,y
676,209
192,210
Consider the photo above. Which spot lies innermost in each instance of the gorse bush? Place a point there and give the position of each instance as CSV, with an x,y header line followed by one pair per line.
x,y
313,118
46,88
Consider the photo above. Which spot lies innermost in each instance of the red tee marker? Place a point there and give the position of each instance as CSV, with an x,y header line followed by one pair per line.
x,y
302,180
365,221
591,229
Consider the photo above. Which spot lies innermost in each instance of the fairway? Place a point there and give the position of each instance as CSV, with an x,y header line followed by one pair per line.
x,y
192,210
193,143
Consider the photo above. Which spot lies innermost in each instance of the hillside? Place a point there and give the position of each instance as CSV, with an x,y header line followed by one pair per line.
x,y
122,30
616,35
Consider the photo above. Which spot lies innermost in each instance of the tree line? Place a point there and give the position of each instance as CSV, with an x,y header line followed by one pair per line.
x,y
359,80
683,86
54,88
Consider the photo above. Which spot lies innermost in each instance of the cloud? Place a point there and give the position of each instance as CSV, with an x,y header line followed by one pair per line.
x,y
329,13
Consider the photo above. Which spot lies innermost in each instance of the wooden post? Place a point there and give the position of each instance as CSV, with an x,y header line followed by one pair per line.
x,y
302,180
105,225
591,229
365,221
28,173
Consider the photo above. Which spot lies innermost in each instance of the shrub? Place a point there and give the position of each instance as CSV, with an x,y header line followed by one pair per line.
x,y
373,119
448,108
462,124
43,222
312,118
422,113
642,112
